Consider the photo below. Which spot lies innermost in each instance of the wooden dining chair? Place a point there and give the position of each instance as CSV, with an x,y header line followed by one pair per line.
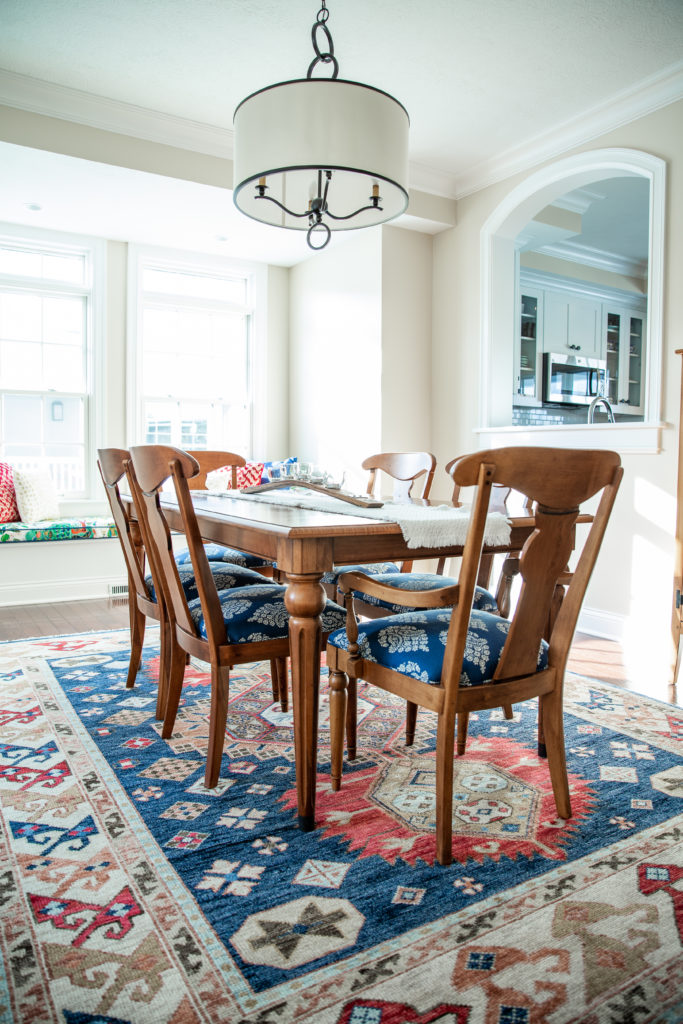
x,y
404,469
142,604
224,629
209,462
453,660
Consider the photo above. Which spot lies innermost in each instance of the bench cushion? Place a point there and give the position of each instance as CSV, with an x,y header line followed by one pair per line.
x,y
90,528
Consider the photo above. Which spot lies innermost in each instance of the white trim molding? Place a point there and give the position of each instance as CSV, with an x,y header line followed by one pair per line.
x,y
499,272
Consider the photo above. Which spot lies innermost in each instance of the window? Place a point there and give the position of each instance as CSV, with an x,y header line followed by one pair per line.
x,y
192,329
46,357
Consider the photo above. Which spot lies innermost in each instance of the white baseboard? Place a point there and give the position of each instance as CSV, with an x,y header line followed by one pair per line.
x,y
603,624
53,591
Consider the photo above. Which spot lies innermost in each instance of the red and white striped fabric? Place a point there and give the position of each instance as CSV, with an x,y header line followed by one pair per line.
x,y
9,513
247,476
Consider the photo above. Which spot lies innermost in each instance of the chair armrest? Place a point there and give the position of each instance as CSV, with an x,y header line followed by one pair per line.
x,y
443,597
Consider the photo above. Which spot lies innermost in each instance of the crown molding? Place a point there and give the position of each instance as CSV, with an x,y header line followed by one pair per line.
x,y
598,258
645,97
39,97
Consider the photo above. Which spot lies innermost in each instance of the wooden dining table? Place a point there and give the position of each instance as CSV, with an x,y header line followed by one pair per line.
x,y
305,544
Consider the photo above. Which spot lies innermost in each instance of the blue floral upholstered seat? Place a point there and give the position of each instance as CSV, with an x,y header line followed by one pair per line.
x,y
217,553
256,613
483,600
414,644
225,576
372,569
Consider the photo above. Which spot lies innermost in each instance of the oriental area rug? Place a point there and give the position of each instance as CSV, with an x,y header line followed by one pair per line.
x,y
130,893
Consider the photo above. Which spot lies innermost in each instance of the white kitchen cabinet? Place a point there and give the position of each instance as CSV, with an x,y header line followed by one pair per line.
x,y
528,348
624,333
572,324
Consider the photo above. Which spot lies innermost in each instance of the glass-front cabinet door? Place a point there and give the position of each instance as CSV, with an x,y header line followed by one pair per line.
x,y
527,389
625,359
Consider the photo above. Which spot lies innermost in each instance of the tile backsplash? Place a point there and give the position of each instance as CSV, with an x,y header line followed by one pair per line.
x,y
554,415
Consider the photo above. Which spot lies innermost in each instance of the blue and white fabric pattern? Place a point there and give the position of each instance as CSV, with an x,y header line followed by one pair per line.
x,y
483,600
225,577
258,613
217,553
372,569
414,644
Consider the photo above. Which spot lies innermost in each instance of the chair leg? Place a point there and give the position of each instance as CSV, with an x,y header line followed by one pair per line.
x,y
164,666
554,733
275,679
176,674
508,712
283,681
542,749
411,719
445,741
220,690
137,636
351,718
338,684
463,722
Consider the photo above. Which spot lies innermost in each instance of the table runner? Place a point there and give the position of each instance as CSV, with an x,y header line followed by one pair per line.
x,y
422,526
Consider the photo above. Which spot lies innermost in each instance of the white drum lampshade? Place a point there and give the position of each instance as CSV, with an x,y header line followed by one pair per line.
x,y
321,154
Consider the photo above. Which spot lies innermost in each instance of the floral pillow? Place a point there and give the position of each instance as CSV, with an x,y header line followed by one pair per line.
x,y
36,495
9,513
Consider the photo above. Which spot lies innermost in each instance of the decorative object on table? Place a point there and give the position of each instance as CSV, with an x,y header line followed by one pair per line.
x,y
143,896
362,500
321,154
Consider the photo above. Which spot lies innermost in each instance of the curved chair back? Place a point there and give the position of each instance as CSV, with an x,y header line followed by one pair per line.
x,y
153,465
404,468
111,463
558,482
209,461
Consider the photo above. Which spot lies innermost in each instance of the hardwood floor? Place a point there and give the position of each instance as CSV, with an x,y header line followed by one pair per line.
x,y
590,656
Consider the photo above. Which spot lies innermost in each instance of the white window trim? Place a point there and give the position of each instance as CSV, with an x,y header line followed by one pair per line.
x,y
178,259
498,286
96,341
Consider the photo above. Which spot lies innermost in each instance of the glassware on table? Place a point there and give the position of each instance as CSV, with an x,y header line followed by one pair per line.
x,y
335,479
304,470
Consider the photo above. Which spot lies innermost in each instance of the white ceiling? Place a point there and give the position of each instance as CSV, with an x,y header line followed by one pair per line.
x,y
484,81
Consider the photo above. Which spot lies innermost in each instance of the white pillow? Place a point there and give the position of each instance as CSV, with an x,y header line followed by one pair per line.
x,y
36,495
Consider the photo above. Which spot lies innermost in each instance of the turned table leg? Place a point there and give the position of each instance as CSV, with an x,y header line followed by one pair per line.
x,y
305,600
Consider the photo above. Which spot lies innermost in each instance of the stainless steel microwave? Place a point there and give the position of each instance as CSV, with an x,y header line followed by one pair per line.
x,y
572,380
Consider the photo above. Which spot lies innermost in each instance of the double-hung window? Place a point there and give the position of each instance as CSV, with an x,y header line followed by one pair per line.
x,y
47,415
191,328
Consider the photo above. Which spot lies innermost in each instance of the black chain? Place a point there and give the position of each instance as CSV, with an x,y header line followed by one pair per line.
x,y
322,56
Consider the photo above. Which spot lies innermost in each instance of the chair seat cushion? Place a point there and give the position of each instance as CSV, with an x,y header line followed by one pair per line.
x,y
258,613
217,553
371,569
483,600
414,644
225,577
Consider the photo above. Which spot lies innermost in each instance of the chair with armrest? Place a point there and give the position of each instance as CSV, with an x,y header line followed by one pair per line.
x,y
404,469
209,461
223,628
453,660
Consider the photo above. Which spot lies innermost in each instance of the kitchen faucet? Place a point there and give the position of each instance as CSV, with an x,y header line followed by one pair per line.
x,y
595,403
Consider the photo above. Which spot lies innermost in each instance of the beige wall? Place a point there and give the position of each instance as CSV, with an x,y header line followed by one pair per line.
x,y
335,334
632,587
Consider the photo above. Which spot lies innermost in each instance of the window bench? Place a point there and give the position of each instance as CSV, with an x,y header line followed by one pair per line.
x,y
45,561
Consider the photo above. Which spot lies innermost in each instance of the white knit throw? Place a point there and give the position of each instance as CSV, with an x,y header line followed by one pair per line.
x,y
431,526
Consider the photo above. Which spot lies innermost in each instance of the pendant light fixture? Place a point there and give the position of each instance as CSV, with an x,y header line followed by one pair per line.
x,y
321,154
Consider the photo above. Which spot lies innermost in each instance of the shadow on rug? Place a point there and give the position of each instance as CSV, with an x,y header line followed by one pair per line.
x,y
130,893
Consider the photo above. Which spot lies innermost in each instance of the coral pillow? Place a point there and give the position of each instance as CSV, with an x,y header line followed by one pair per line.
x,y
36,495
247,476
9,513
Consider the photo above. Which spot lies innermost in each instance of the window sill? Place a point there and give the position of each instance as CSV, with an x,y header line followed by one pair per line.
x,y
625,438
